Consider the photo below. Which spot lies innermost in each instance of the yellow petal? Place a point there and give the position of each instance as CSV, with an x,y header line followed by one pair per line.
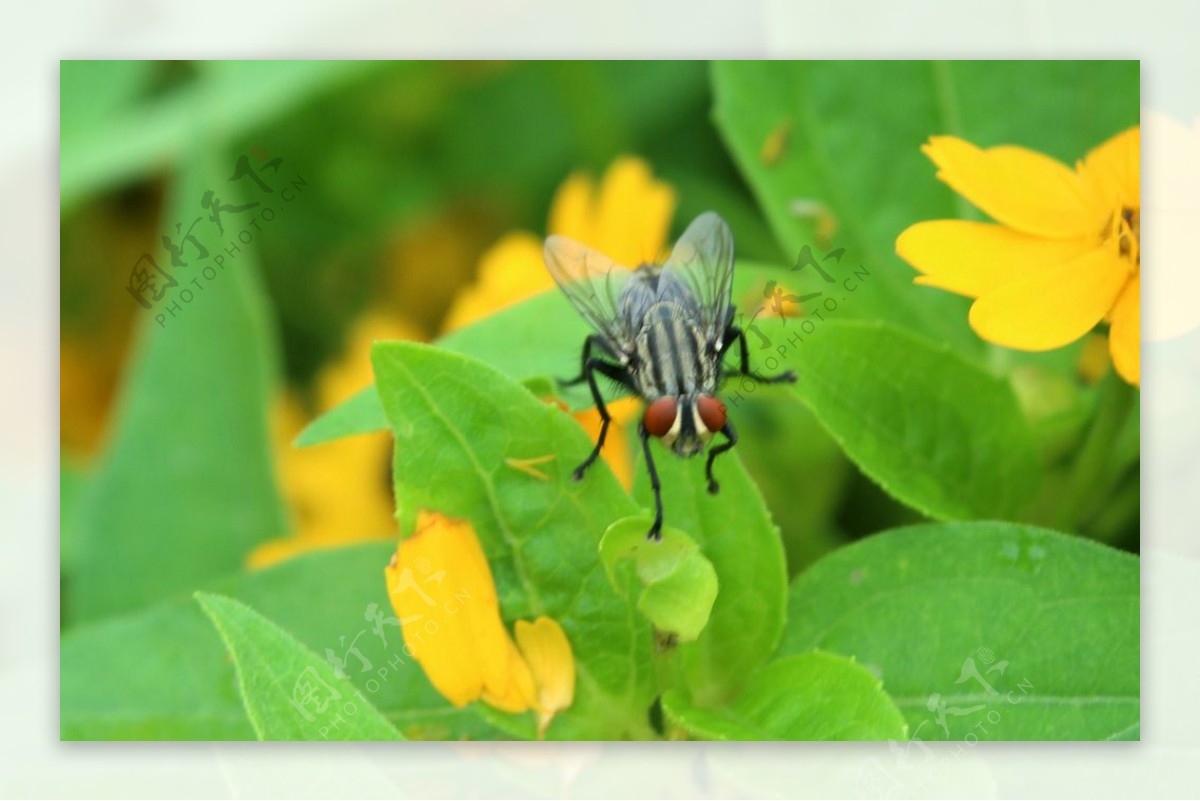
x,y
337,492
510,271
516,692
1018,187
572,212
1124,334
634,213
627,219
975,258
1114,169
1052,308
547,651
442,590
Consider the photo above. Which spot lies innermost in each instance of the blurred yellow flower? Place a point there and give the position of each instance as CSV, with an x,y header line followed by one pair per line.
x,y
441,588
627,217
87,381
510,271
338,491
1062,256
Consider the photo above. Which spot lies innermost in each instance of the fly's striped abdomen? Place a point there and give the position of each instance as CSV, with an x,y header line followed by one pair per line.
x,y
672,357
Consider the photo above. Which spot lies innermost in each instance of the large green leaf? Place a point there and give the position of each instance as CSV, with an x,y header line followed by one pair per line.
x,y
163,673
459,427
990,630
289,692
736,534
813,696
186,487
159,674
849,137
799,469
938,433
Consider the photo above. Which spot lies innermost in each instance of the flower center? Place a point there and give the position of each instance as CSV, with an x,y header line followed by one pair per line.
x,y
1129,234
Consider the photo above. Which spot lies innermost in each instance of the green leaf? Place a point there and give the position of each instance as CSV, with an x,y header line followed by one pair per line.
x,y
735,533
361,413
938,433
1012,632
186,487
679,584
459,425
73,480
160,674
289,692
799,469
813,696
164,673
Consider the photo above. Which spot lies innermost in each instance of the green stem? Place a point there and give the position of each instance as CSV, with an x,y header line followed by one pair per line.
x,y
1088,474
667,666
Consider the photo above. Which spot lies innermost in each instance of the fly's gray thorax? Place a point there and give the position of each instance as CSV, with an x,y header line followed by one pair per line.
x,y
672,355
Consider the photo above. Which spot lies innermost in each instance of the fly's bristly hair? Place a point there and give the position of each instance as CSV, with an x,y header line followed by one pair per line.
x,y
672,354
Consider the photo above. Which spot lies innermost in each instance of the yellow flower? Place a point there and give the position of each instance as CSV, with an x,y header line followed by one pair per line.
x,y
1062,256
510,271
441,588
338,491
628,218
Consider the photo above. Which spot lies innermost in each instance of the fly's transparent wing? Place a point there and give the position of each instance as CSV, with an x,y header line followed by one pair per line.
x,y
702,260
593,282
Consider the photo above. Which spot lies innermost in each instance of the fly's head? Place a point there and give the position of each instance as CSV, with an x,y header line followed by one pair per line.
x,y
685,423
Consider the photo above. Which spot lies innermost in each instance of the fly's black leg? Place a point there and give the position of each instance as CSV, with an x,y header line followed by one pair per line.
x,y
733,333
730,440
655,532
590,368
583,364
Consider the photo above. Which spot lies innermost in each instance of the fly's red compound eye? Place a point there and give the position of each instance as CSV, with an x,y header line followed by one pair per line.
x,y
712,412
660,416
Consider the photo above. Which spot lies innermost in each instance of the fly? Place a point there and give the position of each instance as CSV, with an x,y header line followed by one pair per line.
x,y
661,333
